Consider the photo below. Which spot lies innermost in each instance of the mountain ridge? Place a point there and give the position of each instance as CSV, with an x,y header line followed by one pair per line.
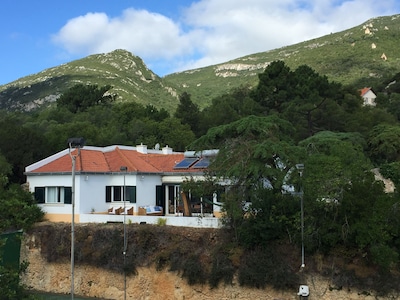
x,y
127,73
347,57
360,56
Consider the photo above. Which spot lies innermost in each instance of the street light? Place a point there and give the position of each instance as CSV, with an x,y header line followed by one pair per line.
x,y
73,143
124,169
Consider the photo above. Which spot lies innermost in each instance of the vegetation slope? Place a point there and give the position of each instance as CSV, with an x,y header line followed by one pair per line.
x,y
351,57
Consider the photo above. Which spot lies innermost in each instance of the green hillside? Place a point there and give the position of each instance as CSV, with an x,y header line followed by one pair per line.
x,y
351,57
130,78
347,57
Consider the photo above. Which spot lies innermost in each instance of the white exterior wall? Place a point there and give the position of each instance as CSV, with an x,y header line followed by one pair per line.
x,y
369,98
53,181
92,195
90,192
146,189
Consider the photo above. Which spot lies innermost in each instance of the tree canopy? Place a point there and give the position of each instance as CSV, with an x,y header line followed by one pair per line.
x,y
80,97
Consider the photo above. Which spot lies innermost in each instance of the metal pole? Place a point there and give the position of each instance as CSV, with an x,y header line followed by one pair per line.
x,y
302,230
124,169
73,226
125,241
73,143
300,168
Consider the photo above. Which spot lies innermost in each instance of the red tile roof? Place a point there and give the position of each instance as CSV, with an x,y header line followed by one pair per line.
x,y
364,91
93,159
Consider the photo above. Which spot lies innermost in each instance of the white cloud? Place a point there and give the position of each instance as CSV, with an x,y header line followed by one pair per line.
x,y
146,34
214,31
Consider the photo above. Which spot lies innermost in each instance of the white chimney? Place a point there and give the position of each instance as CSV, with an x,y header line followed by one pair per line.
x,y
141,148
166,150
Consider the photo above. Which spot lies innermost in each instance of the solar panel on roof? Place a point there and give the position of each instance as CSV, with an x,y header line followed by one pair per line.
x,y
203,163
186,163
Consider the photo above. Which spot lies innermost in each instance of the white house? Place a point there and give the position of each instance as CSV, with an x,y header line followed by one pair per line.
x,y
368,96
119,183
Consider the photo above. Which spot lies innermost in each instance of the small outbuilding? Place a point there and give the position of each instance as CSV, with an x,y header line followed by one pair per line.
x,y
368,96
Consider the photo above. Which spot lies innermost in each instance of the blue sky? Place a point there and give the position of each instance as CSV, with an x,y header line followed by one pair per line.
x,y
170,35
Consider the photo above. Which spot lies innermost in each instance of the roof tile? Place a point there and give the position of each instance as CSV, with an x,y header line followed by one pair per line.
x,y
100,161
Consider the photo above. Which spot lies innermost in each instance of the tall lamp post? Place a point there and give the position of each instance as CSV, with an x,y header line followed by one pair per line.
x,y
73,143
124,169
303,289
300,168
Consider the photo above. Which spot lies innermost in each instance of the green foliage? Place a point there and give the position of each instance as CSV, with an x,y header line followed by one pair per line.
x,y
228,108
19,210
274,87
20,145
80,97
390,102
5,171
255,154
10,287
362,219
161,221
334,159
174,134
391,171
305,98
271,216
384,143
384,256
188,112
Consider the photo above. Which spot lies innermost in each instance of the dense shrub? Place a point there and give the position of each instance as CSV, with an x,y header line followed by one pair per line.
x,y
10,287
193,270
222,269
262,266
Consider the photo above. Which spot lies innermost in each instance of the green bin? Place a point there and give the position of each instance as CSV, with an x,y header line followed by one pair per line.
x,y
10,247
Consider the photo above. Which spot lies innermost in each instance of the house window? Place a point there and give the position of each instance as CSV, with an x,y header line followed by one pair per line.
x,y
116,194
53,194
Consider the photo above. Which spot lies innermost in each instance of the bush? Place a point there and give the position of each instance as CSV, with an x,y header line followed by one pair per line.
x,y
10,287
18,209
193,270
222,269
263,266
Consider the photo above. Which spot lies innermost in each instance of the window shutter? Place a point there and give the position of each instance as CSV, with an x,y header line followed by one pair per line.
x,y
40,193
159,195
131,194
67,195
117,193
108,193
